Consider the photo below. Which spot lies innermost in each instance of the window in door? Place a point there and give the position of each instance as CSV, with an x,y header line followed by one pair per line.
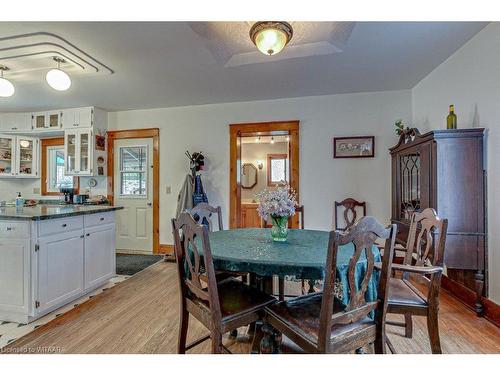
x,y
277,169
133,171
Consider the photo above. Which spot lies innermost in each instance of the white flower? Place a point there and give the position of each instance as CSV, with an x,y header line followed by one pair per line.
x,y
279,202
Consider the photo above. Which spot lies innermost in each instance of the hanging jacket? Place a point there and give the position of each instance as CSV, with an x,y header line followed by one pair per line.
x,y
185,197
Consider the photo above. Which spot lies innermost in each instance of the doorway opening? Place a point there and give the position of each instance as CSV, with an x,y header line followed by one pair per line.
x,y
133,182
262,156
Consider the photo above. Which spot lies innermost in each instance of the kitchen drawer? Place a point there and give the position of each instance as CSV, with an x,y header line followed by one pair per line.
x,y
14,229
102,218
66,224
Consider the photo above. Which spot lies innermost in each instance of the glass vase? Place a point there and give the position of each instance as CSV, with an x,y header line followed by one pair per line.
x,y
279,231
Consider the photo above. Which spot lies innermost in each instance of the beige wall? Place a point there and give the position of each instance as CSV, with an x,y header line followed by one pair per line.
x,y
250,153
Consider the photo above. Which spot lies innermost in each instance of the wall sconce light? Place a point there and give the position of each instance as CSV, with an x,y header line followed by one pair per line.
x,y
260,164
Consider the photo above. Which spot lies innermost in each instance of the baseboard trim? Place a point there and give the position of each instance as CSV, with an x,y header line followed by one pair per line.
x,y
468,298
166,249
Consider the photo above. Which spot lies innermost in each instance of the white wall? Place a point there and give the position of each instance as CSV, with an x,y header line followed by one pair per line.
x,y
323,179
470,80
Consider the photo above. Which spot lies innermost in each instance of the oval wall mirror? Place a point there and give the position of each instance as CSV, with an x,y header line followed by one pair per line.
x,y
248,176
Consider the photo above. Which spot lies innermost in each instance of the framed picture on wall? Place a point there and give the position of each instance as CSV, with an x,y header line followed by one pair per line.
x,y
354,147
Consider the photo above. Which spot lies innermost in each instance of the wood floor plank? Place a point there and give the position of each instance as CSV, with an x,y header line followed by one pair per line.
x,y
140,315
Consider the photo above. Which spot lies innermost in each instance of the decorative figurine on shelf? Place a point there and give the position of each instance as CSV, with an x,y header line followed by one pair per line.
x,y
451,119
277,205
408,133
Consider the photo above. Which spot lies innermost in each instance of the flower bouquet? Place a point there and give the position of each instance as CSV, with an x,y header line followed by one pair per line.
x,y
277,206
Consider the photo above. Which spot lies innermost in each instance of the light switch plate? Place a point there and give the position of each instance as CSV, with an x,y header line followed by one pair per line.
x,y
36,190
168,190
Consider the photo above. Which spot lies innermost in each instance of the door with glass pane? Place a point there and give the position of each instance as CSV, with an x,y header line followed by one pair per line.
x,y
7,150
26,151
133,189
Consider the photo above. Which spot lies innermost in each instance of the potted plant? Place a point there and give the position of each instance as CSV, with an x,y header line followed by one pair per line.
x,y
277,206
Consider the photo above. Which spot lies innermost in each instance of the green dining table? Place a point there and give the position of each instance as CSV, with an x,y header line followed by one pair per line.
x,y
303,256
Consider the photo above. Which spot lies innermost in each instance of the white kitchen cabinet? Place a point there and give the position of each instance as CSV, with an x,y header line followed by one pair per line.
x,y
26,157
46,120
60,271
48,263
78,147
18,156
15,121
14,272
7,156
99,261
78,118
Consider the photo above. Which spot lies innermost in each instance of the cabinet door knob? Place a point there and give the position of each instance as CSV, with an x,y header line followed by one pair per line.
x,y
88,234
64,225
101,218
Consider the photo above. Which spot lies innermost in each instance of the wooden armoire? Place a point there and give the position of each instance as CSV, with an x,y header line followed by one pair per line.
x,y
445,170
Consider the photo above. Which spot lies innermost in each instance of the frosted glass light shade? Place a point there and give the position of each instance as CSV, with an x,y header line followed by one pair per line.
x,y
6,88
58,80
270,41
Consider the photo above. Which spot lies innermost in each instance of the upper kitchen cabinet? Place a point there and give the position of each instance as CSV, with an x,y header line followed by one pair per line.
x,y
46,120
7,160
15,121
18,156
85,146
78,118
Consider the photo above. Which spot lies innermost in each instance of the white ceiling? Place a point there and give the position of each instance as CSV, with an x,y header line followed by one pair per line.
x,y
167,64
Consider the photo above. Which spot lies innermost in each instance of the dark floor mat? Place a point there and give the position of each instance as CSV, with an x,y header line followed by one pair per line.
x,y
130,264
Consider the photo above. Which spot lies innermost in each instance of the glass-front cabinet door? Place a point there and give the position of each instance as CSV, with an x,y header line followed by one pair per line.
x,y
26,156
84,151
78,150
7,159
70,143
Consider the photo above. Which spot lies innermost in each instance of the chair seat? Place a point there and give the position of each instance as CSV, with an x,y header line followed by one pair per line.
x,y
402,294
237,298
302,315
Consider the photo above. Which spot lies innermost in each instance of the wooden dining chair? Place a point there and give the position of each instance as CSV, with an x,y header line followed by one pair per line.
x,y
424,261
321,323
349,213
203,212
220,307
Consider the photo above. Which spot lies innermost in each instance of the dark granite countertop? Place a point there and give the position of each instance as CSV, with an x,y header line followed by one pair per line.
x,y
51,211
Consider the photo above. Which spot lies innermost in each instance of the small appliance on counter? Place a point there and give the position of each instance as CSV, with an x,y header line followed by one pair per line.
x,y
80,198
68,195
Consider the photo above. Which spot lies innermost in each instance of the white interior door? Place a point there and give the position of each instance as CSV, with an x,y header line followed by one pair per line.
x,y
133,189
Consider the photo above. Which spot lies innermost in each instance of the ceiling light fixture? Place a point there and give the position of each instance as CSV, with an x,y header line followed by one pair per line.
x,y
271,37
272,140
257,140
6,87
58,79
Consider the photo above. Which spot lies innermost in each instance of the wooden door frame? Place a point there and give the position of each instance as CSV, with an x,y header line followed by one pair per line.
x,y
153,133
236,131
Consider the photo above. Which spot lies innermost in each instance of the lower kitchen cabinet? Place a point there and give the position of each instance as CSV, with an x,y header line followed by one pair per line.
x,y
14,272
99,263
47,264
60,269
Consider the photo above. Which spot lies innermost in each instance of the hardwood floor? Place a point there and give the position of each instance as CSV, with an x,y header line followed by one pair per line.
x,y
140,315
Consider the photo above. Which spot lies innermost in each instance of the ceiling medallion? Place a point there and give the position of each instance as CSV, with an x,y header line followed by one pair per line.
x,y
271,37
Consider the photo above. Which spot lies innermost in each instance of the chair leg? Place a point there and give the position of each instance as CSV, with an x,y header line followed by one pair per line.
x,y
408,326
183,327
281,288
217,347
433,329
